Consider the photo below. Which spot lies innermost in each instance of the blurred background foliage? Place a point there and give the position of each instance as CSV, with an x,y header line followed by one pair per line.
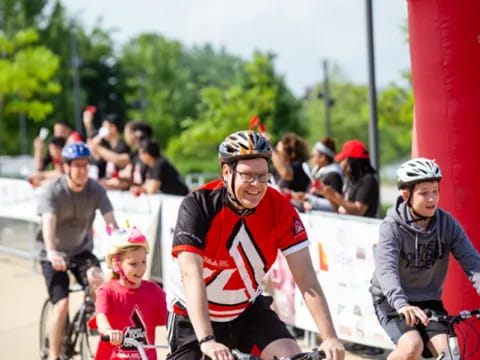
x,y
192,96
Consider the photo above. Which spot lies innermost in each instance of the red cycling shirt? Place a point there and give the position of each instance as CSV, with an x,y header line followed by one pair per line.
x,y
238,248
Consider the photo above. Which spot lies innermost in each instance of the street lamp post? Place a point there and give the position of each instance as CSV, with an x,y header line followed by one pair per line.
x,y
372,90
372,96
326,99
76,80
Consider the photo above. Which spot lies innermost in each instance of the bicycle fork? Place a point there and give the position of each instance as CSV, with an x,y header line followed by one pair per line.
x,y
452,352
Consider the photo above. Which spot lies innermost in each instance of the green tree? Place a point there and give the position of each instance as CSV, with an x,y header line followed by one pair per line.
x,y
350,116
101,77
26,72
258,91
395,122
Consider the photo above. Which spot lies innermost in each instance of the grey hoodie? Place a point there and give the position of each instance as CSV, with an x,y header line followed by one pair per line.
x,y
411,263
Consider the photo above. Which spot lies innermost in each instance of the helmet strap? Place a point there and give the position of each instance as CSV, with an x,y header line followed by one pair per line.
x,y
416,216
232,196
119,270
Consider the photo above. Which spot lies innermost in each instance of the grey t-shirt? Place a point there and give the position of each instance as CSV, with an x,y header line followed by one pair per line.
x,y
75,212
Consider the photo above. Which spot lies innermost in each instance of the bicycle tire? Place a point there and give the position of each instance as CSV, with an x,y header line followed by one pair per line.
x,y
88,344
44,328
45,316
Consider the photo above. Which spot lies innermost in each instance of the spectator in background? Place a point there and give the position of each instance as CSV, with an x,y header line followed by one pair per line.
x,y
362,189
46,171
288,159
141,131
65,130
110,132
161,175
61,129
325,172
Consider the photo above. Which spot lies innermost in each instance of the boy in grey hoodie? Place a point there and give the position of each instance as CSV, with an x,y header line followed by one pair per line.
x,y
411,262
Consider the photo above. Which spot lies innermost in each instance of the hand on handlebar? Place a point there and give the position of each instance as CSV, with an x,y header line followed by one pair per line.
x,y
413,315
57,260
216,351
115,336
333,349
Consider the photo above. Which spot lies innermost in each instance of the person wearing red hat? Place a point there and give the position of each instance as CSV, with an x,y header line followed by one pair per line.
x,y
361,190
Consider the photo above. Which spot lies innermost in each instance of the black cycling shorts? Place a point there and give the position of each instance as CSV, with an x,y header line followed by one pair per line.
x,y
251,332
395,326
58,282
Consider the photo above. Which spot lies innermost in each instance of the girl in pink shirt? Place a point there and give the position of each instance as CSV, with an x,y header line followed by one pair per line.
x,y
127,305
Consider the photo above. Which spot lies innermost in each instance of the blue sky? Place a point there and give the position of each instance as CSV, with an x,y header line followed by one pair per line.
x,y
300,32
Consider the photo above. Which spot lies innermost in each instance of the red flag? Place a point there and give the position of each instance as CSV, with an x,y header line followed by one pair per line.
x,y
254,122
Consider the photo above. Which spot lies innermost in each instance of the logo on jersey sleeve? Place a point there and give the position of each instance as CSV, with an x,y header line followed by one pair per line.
x,y
297,227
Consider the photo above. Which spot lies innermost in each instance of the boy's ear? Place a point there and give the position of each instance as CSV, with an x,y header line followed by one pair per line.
x,y
405,194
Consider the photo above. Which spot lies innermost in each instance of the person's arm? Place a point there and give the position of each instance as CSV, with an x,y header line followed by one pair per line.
x,y
463,251
110,220
351,207
103,307
104,327
49,224
88,123
119,159
191,269
37,153
320,204
300,264
387,255
151,186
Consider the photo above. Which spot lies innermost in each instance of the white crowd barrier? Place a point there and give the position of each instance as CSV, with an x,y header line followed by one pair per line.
x,y
342,249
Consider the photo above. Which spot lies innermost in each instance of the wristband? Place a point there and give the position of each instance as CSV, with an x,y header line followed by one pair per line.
x,y
205,339
51,253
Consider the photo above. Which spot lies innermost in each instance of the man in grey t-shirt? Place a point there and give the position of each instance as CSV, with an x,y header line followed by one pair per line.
x,y
67,208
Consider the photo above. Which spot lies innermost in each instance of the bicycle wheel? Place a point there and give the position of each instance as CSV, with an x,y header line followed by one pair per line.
x,y
89,340
45,320
45,324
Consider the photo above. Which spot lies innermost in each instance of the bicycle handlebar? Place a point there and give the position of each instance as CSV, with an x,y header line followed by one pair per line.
x,y
455,319
315,354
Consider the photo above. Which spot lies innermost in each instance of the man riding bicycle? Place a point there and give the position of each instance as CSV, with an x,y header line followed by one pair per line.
x,y
411,262
227,236
67,208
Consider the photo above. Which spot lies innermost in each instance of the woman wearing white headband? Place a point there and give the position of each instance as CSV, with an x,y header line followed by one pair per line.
x,y
325,171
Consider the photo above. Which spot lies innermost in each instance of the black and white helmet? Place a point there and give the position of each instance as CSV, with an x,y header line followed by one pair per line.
x,y
417,170
244,144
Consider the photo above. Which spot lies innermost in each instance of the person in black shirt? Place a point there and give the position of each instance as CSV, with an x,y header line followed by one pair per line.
x,y
362,189
161,175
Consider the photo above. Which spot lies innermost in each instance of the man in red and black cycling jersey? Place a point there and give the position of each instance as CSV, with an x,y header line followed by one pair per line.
x,y
227,237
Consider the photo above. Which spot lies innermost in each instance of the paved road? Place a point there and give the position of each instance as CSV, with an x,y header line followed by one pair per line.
x,y
22,295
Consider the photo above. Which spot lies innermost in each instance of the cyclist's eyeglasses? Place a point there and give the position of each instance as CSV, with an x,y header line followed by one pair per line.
x,y
249,178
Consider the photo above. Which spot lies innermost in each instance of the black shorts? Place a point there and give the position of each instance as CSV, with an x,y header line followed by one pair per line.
x,y
395,326
58,282
251,332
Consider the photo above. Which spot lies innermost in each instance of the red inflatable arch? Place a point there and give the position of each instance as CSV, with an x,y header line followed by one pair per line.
x,y
445,58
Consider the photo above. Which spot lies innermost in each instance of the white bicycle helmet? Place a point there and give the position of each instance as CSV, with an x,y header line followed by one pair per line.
x,y
121,239
416,170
